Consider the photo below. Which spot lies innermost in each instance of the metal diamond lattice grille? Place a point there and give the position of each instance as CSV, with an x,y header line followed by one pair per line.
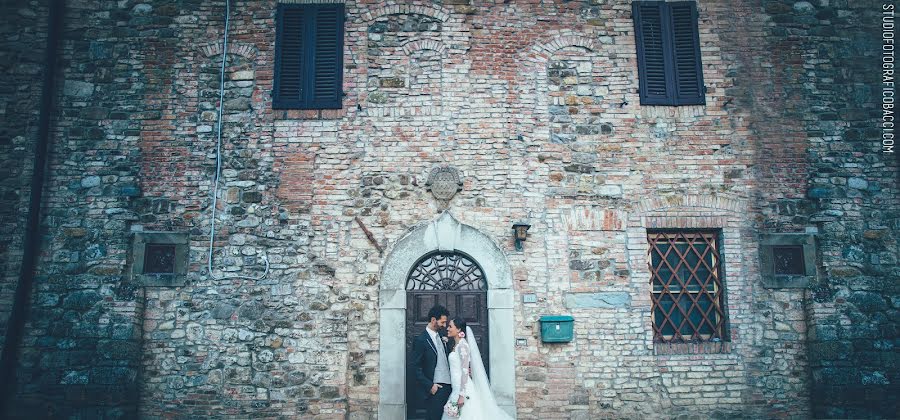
x,y
446,271
687,286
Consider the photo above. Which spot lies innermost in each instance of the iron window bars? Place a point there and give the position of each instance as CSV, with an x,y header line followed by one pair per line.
x,y
687,293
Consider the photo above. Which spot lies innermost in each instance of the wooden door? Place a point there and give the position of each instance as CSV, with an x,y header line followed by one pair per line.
x,y
454,281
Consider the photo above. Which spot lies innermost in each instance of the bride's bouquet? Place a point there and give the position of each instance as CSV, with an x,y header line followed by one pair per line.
x,y
451,409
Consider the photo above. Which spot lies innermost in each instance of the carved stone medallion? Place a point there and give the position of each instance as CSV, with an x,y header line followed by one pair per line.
x,y
444,183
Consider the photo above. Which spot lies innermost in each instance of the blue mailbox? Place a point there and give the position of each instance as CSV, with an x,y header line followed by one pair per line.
x,y
557,328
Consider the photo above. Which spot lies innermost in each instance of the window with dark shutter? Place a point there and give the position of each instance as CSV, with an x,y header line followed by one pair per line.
x,y
309,46
668,51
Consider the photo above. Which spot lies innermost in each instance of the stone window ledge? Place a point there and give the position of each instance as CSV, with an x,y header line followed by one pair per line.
x,y
310,114
672,111
663,349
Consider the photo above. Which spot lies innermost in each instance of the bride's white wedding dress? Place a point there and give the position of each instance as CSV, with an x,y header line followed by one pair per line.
x,y
479,403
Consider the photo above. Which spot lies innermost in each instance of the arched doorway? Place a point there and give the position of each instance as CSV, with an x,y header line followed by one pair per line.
x,y
452,280
445,234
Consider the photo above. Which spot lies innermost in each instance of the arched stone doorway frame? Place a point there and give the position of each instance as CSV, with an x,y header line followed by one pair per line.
x,y
443,234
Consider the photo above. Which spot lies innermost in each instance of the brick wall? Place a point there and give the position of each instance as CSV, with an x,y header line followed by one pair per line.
x,y
536,104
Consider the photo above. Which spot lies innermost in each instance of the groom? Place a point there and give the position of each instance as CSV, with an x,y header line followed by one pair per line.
x,y
429,364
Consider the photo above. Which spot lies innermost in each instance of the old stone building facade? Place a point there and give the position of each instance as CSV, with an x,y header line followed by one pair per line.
x,y
321,214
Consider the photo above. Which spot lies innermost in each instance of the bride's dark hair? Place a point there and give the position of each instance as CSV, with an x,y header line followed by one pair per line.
x,y
460,324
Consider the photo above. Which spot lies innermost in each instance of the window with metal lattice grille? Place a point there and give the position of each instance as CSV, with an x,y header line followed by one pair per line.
x,y
687,292
309,56
668,52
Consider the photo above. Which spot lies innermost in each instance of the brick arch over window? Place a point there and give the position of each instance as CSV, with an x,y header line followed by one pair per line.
x,y
541,52
715,203
407,63
436,12
689,211
533,76
247,51
425,75
449,235
425,44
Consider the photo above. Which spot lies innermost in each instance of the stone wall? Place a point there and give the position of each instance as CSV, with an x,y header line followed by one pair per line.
x,y
825,65
22,57
81,352
536,104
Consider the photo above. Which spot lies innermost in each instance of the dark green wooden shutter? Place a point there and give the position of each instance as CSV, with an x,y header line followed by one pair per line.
x,y
327,67
651,52
668,52
289,61
686,45
309,46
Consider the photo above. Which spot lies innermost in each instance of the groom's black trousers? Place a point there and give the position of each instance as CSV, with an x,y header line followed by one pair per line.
x,y
434,404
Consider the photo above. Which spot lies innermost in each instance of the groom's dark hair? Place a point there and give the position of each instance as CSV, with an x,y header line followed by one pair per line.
x,y
437,311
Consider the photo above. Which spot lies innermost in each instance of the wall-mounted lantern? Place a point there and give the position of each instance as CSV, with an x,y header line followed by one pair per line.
x,y
521,233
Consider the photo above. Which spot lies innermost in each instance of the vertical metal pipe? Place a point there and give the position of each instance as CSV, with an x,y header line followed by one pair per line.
x,y
32,245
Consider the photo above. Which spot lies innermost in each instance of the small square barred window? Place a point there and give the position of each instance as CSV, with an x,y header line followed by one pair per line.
x,y
789,260
687,290
159,259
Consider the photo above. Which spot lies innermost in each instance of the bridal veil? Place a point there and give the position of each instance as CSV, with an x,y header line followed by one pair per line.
x,y
489,408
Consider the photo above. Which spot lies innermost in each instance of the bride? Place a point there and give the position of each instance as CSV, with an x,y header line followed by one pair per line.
x,y
472,394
